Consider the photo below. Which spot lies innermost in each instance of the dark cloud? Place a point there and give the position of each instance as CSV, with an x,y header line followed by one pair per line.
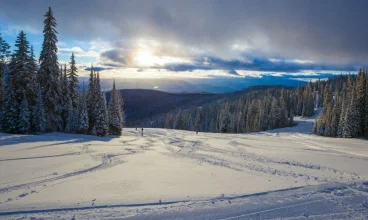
x,y
329,31
115,55
258,64
97,68
233,72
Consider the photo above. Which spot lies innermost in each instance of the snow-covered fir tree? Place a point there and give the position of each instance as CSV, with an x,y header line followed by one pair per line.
x,y
352,126
73,81
48,74
67,110
10,112
115,122
100,127
24,119
82,123
197,120
20,85
4,55
179,121
38,114
91,100
361,99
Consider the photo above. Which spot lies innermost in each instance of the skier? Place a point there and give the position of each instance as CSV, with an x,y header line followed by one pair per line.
x,y
142,132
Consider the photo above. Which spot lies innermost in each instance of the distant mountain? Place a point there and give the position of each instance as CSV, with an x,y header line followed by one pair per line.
x,y
144,103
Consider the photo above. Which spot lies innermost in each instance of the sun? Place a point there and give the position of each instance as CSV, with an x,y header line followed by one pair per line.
x,y
144,58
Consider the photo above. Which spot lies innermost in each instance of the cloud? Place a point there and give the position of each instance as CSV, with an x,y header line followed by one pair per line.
x,y
98,68
257,64
115,55
287,36
233,72
79,52
14,30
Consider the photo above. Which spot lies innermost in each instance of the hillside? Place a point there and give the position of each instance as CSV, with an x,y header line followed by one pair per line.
x,y
143,104
171,173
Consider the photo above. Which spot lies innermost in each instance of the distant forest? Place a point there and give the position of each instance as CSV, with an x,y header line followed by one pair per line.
x,y
344,110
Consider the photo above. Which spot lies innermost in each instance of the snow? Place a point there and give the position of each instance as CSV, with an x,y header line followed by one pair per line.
x,y
284,173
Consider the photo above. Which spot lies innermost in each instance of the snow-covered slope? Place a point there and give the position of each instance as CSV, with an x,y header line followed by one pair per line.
x,y
283,173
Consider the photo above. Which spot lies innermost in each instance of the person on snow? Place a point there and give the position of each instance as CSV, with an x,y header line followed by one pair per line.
x,y
142,131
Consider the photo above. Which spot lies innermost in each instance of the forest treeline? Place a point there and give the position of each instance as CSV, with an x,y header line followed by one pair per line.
x,y
257,110
343,98
345,107
43,96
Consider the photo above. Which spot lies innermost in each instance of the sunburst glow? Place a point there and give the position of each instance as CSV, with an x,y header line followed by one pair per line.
x,y
144,58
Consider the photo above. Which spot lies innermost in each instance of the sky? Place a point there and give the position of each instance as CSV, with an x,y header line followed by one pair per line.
x,y
199,39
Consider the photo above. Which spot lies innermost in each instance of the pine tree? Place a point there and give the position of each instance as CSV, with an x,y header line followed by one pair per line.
x,y
38,114
283,110
73,81
10,114
91,100
21,70
48,74
20,86
114,115
224,119
4,55
291,117
121,111
366,106
70,126
82,125
361,99
65,97
352,117
24,116
101,121
179,121
197,121
308,101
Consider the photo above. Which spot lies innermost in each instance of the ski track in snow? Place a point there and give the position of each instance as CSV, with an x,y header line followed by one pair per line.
x,y
265,154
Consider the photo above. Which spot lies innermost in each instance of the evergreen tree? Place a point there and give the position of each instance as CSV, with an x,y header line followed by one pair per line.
x,y
352,126
361,99
283,110
4,55
115,123
21,70
91,100
308,102
38,114
197,121
73,81
48,74
20,87
70,126
65,97
10,114
366,106
101,121
24,116
82,125
179,121
224,119
121,108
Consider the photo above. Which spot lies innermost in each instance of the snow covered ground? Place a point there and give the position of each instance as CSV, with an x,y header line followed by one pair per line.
x,y
168,174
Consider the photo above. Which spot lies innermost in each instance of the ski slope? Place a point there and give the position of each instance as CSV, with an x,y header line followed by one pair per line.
x,y
169,174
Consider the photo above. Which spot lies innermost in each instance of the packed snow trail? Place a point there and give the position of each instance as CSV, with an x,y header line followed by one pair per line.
x,y
171,173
